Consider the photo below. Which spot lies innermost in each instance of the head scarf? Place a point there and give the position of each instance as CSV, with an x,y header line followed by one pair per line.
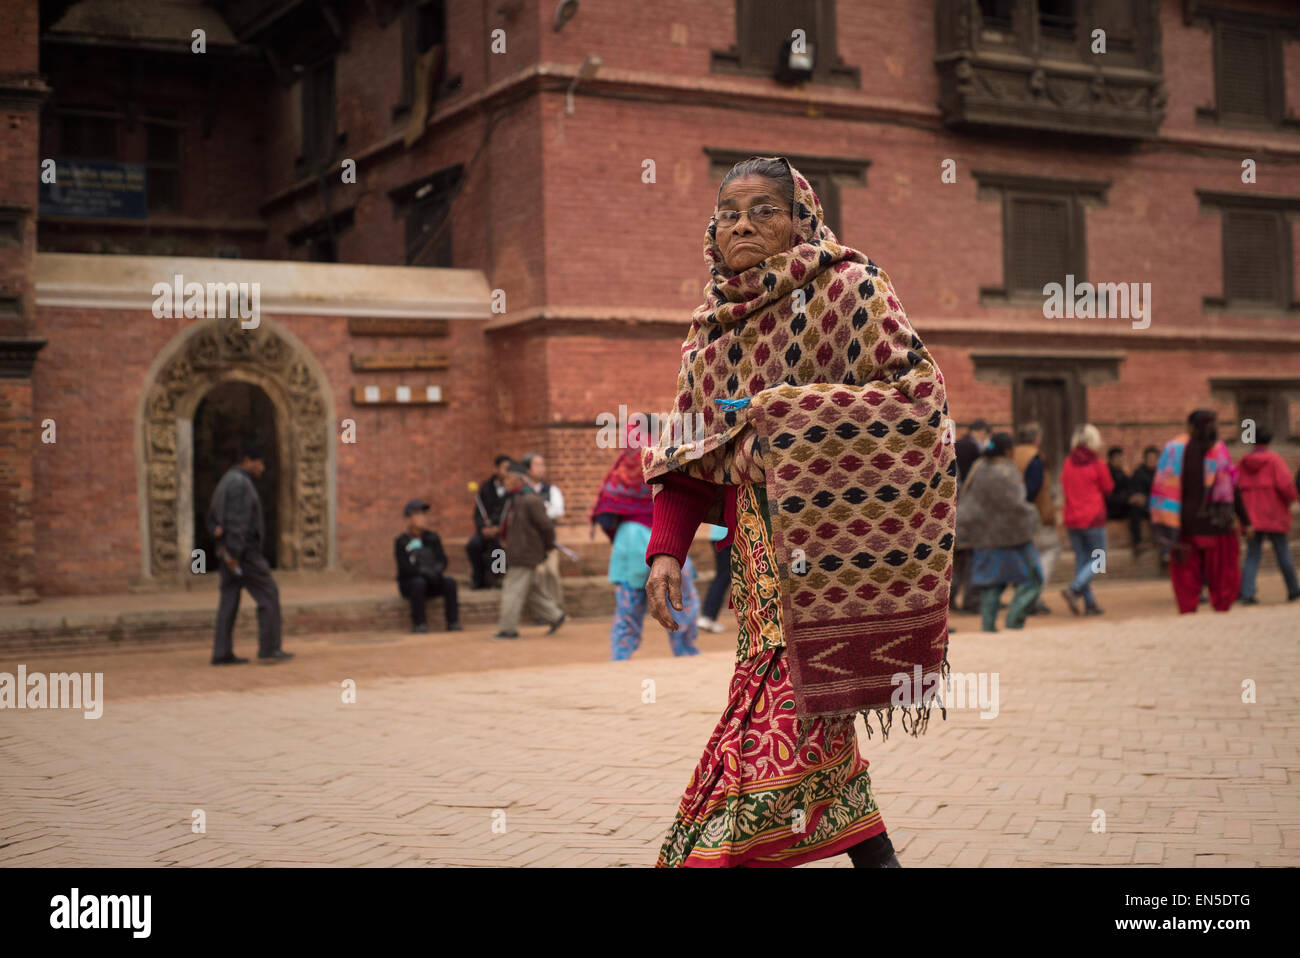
x,y
624,493
803,373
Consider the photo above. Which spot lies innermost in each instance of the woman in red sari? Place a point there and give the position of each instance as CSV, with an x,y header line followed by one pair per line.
x,y
822,454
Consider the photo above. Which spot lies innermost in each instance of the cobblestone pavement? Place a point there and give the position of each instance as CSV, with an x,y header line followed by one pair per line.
x,y
1141,720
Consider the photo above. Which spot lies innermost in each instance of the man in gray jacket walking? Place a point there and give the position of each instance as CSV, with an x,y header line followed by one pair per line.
x,y
235,521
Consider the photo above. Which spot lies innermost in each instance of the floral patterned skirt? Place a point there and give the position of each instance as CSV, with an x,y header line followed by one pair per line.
x,y
754,799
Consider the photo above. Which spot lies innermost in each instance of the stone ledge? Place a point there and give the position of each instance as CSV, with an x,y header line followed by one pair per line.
x,y
584,597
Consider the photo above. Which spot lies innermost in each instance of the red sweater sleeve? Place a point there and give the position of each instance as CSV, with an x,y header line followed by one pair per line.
x,y
679,508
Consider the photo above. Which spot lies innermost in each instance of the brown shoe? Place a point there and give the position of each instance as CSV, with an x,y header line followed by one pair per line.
x,y
1071,599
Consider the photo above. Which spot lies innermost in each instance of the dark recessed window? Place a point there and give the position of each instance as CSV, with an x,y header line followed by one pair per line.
x,y
322,249
428,232
319,132
997,14
425,207
1057,19
163,166
424,27
319,240
88,137
764,29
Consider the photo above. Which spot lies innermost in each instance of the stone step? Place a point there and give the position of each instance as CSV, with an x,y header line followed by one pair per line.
x,y
321,612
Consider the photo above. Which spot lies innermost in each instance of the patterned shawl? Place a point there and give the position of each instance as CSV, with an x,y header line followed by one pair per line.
x,y
805,375
1166,499
624,493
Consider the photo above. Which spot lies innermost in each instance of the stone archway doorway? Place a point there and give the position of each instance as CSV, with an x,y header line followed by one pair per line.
x,y
219,353
230,413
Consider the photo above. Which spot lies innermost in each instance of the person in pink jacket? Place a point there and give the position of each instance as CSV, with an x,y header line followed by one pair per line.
x,y
1267,491
1085,483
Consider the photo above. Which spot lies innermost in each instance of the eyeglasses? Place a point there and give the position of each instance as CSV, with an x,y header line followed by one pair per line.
x,y
757,214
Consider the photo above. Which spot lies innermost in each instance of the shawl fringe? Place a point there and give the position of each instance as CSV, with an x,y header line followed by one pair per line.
x,y
914,719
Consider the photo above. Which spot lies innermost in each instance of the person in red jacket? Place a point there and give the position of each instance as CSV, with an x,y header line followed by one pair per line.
x,y
1085,483
1267,491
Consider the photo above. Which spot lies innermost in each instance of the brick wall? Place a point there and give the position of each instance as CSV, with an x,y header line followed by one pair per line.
x,y
89,381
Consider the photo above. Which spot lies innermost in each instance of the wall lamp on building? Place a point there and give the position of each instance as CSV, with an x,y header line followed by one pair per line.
x,y
796,62
588,69
564,12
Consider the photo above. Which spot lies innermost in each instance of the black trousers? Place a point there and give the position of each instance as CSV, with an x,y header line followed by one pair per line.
x,y
721,582
257,580
480,550
960,597
872,853
1136,515
418,591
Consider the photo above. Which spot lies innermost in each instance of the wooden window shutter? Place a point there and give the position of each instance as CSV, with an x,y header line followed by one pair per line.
x,y
997,14
763,26
1252,268
1116,17
1244,73
1039,247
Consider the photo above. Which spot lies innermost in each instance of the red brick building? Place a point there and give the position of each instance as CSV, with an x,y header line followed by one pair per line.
x,y
514,195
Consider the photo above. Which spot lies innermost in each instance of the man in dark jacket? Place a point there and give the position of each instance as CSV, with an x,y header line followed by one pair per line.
x,y
488,503
1140,492
528,534
236,523
422,568
968,449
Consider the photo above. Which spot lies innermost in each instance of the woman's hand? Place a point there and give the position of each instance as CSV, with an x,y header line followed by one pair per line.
x,y
664,585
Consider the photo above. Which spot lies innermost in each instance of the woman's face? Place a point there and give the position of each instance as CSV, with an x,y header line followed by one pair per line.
x,y
746,242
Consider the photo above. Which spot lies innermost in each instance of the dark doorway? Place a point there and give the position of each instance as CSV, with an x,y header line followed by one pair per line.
x,y
1045,402
228,414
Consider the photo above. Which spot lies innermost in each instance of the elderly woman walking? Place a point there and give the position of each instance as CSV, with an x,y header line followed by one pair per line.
x,y
624,512
809,421
1085,483
999,522
1194,497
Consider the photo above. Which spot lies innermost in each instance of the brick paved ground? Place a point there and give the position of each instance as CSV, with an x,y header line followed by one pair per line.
x,y
1141,719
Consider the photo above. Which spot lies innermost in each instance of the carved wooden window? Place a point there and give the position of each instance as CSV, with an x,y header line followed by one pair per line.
x,y
1266,402
763,32
1246,80
1249,71
1043,236
1255,242
1039,243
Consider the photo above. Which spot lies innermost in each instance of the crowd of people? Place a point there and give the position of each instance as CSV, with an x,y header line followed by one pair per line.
x,y
1190,496
1190,499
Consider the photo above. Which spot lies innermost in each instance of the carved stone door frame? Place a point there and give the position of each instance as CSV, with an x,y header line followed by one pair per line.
x,y
272,358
